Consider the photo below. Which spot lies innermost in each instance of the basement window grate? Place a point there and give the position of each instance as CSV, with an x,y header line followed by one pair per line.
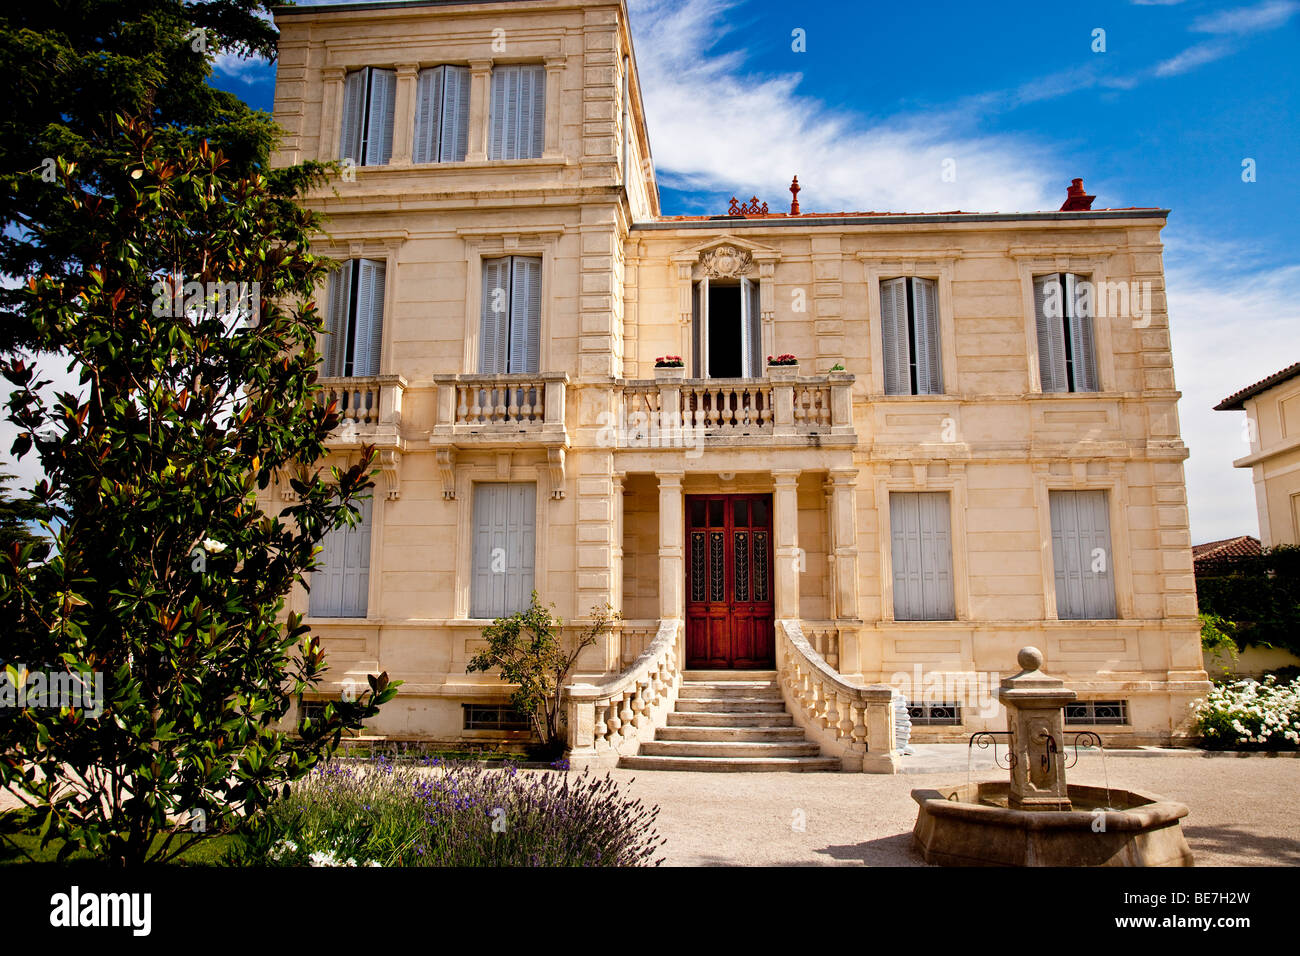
x,y
935,715
1096,712
494,717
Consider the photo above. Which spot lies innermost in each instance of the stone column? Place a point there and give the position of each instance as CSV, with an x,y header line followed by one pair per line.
x,y
554,74
404,114
672,552
789,559
1035,706
844,538
480,75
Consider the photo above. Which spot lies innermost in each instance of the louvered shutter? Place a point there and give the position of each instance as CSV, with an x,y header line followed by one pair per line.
x,y
699,328
505,518
379,129
428,115
1080,527
454,135
1049,296
532,147
929,358
921,546
755,331
370,318
518,120
1082,344
336,341
340,585
746,328
495,332
893,329
354,111
525,314
504,105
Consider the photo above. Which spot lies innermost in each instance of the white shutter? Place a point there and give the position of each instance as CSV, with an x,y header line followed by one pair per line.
x,y
454,136
494,335
379,128
929,358
518,120
505,101
893,329
1082,344
525,314
921,546
746,328
428,115
340,585
1050,296
755,331
1081,556
532,147
336,321
700,328
354,111
370,318
505,543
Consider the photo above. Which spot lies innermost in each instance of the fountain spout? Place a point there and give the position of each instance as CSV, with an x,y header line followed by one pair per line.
x,y
1035,706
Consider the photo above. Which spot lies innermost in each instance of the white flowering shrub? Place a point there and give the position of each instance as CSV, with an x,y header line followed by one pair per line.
x,y
1250,715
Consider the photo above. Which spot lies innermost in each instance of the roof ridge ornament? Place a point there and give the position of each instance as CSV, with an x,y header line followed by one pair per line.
x,y
751,208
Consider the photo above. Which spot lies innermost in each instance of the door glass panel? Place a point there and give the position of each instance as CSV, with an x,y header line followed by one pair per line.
x,y
760,513
697,513
715,513
740,513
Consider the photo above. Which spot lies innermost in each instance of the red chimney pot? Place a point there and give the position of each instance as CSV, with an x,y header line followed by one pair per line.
x,y
1076,199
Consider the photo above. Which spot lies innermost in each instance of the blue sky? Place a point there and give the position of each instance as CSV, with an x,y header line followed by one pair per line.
x,y
1016,96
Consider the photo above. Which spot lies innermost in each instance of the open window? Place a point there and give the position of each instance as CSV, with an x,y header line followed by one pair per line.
x,y
726,329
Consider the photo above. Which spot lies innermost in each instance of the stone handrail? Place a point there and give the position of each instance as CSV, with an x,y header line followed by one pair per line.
x,y
853,722
368,400
613,718
476,401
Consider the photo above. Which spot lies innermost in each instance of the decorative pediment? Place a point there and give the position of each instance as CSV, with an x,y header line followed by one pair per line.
x,y
727,257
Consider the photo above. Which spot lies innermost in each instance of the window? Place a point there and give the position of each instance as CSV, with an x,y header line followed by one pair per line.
x,y
512,314
356,319
518,124
921,537
725,319
366,133
909,325
340,585
494,717
1081,555
312,709
1096,712
1067,360
505,541
935,715
442,115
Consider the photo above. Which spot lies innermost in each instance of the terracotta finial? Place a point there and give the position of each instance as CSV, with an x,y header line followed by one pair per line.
x,y
794,196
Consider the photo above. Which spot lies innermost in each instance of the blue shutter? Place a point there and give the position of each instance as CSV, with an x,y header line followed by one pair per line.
x,y
929,358
354,111
893,329
525,314
1049,296
340,585
502,123
336,320
921,549
494,334
1080,526
505,542
379,129
428,115
454,136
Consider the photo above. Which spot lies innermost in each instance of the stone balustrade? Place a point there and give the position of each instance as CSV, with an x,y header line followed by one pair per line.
x,y
853,722
470,406
824,636
634,637
798,408
608,720
369,408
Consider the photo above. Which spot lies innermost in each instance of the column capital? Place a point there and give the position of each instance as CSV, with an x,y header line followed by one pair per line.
x,y
333,73
785,476
407,69
670,479
555,62
480,66
843,476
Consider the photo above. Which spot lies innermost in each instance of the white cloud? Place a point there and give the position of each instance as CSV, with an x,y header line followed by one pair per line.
x,y
1193,57
715,126
246,69
1268,15
1226,321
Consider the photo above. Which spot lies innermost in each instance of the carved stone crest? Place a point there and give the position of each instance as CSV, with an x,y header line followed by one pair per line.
x,y
726,262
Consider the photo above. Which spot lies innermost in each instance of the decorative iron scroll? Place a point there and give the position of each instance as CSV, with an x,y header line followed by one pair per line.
x,y
717,569
742,565
1087,739
989,738
699,564
760,566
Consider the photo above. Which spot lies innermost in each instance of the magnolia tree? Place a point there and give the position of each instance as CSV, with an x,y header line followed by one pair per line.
x,y
150,667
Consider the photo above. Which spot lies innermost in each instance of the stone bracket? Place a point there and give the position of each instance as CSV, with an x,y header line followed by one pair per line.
x,y
447,469
555,461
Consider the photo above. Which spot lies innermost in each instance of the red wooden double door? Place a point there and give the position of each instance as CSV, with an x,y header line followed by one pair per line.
x,y
730,619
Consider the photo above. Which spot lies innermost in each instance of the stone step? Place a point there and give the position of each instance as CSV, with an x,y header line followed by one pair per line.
x,y
713,748
692,691
729,706
711,676
732,764
715,719
730,734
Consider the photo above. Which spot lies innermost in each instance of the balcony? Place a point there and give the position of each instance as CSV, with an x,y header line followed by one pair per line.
x,y
807,410
488,410
370,410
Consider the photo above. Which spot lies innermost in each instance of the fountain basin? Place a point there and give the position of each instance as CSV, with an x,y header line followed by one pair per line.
x,y
971,825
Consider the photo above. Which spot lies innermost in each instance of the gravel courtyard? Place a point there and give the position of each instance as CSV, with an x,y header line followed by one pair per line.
x,y
1242,809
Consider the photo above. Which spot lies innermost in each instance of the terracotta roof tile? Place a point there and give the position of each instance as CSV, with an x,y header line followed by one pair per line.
x,y
1224,551
1235,401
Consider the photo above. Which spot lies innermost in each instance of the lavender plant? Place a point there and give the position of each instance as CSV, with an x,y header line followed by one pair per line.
x,y
437,813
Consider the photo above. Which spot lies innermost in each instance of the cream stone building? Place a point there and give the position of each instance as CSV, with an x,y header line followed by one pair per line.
x,y
978,448
1272,408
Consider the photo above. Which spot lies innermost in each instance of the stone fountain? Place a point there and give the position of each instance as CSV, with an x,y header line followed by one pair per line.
x,y
1035,818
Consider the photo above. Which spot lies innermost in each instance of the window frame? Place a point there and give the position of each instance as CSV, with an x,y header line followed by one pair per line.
x,y
1035,261
540,129
467,78
473,604
937,265
750,292
918,479
363,139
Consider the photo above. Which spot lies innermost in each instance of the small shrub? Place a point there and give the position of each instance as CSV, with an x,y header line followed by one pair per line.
x,y
1250,715
440,813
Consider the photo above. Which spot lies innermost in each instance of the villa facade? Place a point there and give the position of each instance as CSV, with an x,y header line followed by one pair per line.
x,y
977,450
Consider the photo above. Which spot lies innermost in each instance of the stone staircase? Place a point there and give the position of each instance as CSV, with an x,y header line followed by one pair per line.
x,y
730,720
